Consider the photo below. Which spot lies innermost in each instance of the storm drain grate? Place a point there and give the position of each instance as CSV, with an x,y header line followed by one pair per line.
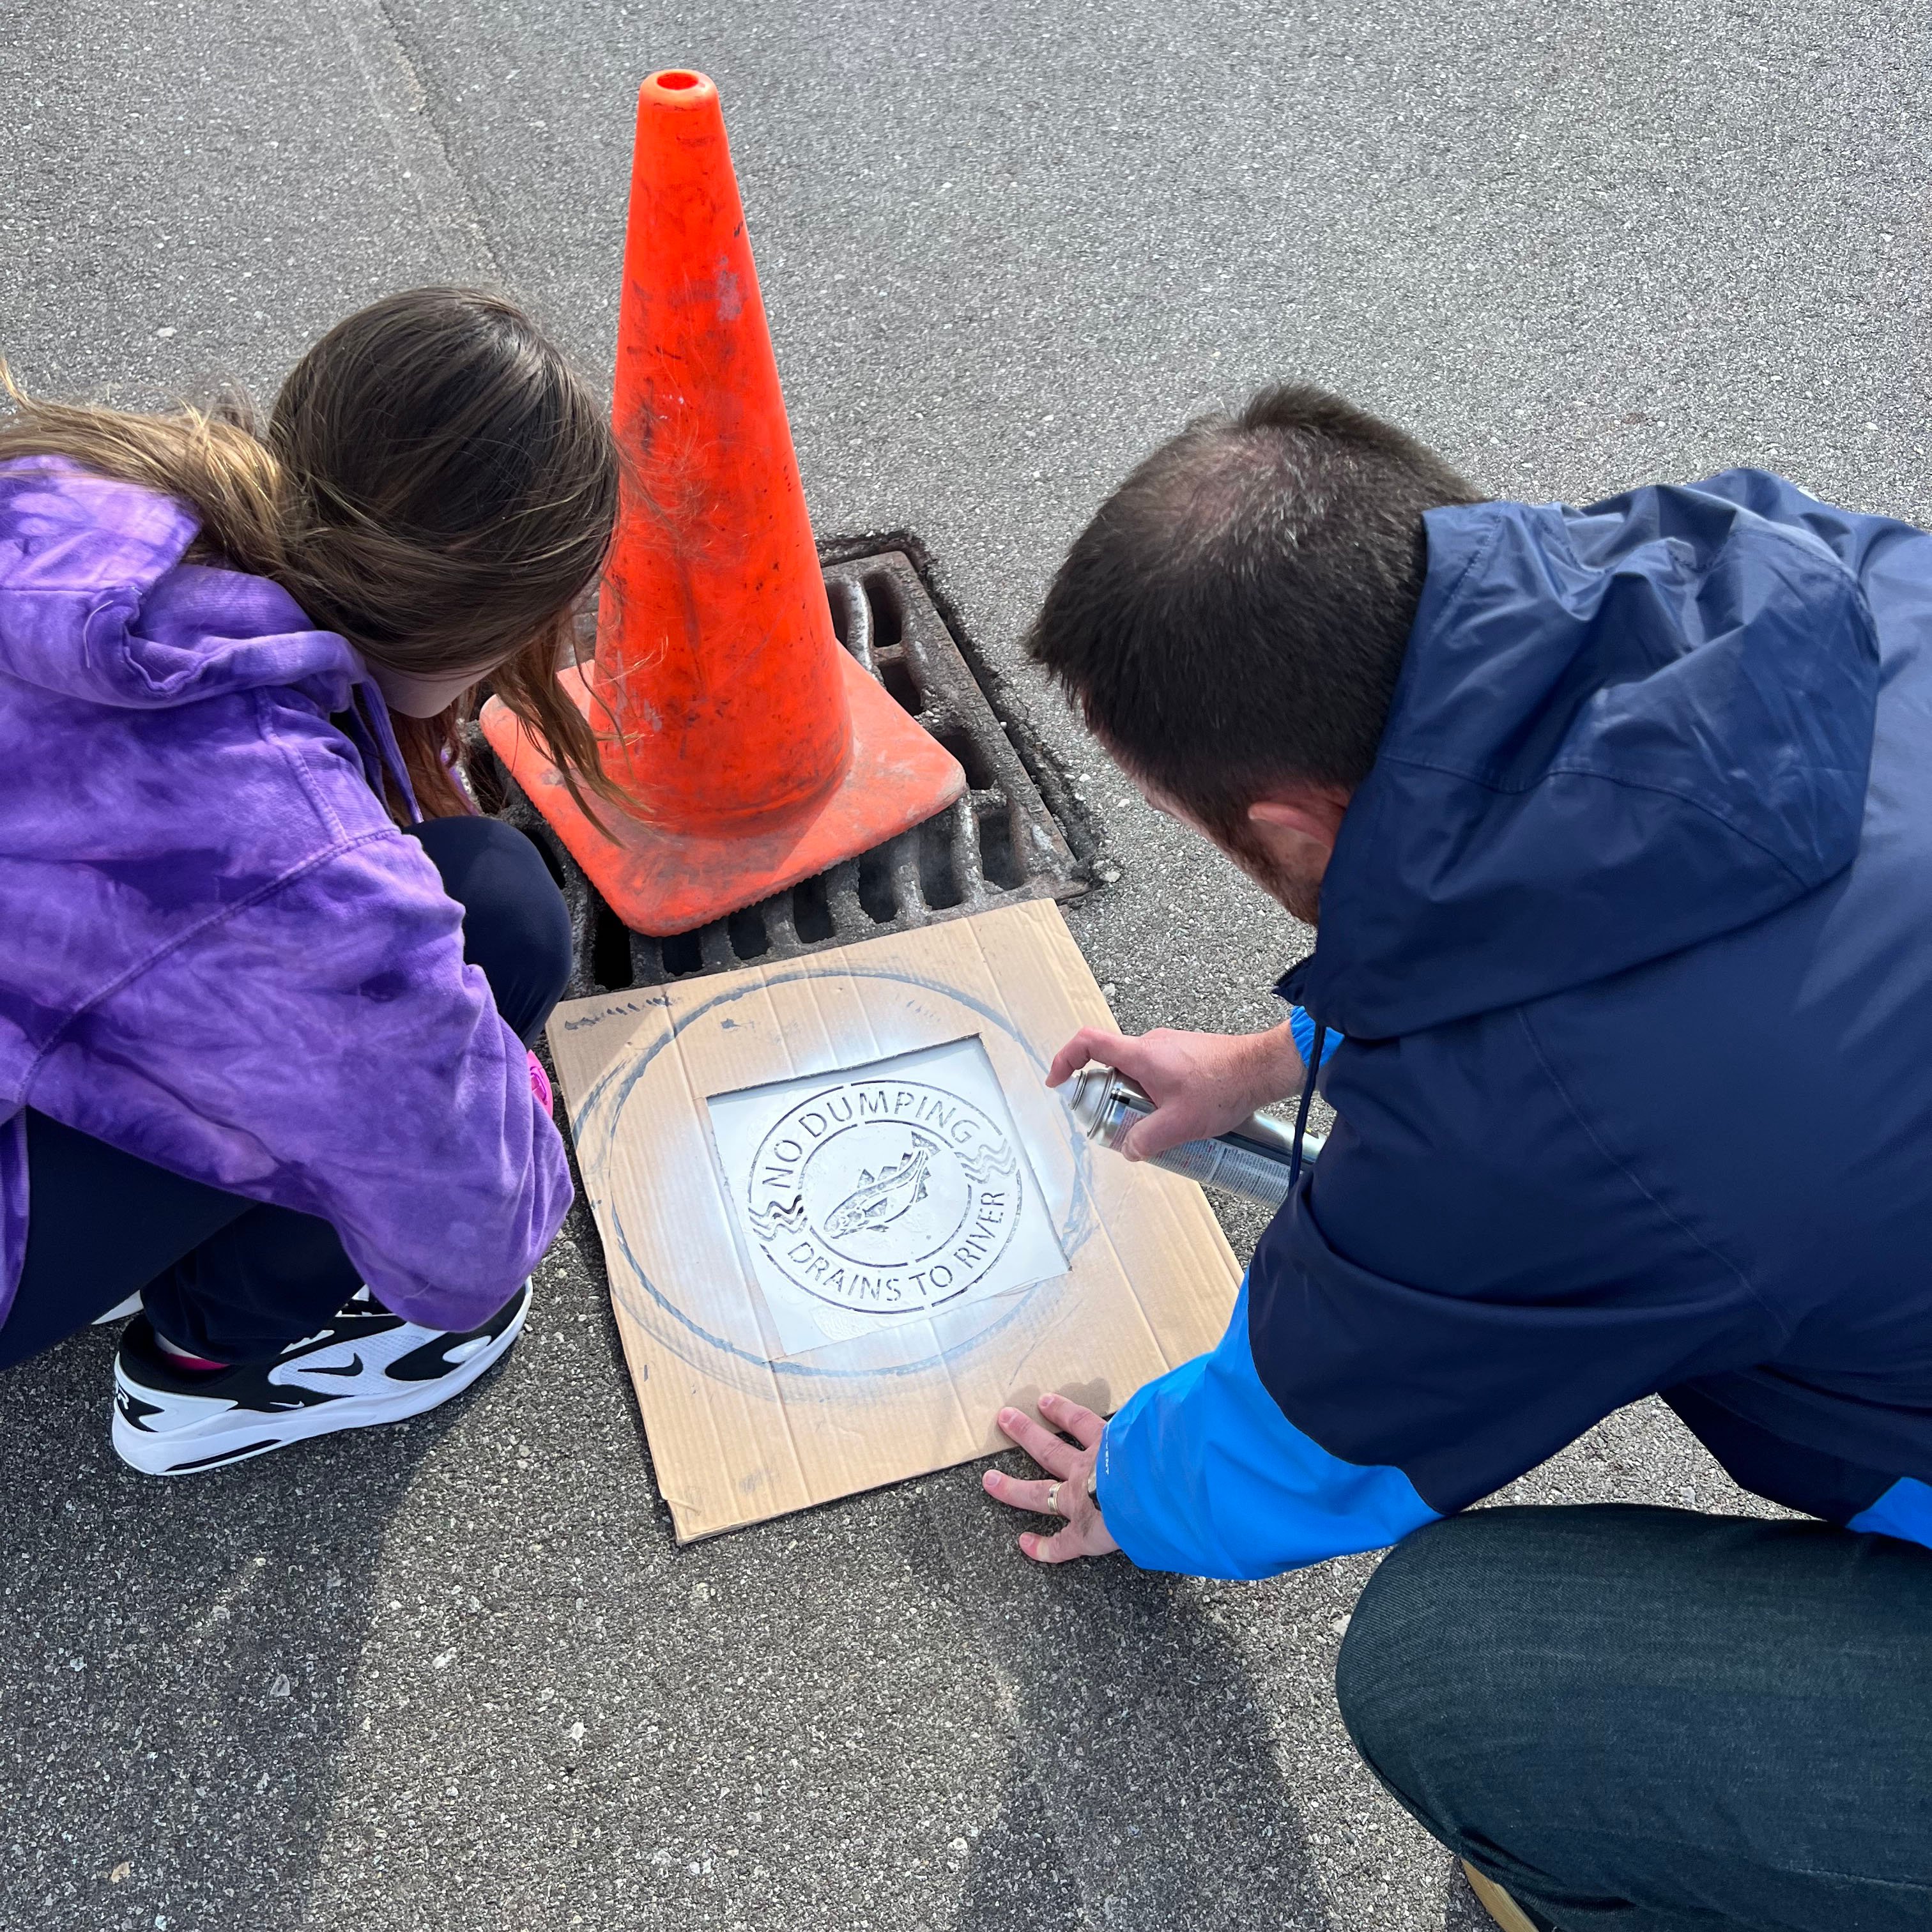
x,y
998,843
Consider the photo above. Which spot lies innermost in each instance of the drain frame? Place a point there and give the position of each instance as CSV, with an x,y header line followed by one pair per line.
x,y
1002,841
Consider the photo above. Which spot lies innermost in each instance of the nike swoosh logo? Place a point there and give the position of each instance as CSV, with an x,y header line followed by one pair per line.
x,y
355,1367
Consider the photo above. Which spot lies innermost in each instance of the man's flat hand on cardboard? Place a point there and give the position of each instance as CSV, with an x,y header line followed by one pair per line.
x,y
1201,1084
1065,1491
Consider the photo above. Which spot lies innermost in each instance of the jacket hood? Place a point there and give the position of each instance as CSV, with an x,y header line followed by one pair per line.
x,y
1619,730
95,603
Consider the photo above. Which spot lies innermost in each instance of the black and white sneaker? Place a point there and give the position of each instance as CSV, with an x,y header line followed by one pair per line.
x,y
367,1366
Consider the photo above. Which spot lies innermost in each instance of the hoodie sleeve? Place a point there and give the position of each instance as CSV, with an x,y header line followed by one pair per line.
x,y
321,1044
1465,1283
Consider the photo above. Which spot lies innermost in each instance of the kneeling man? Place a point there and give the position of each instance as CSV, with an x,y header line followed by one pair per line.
x,y
1616,823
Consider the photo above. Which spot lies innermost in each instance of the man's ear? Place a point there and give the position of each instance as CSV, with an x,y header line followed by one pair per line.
x,y
1311,812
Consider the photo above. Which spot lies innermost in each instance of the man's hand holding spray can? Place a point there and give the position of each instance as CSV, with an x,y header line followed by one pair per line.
x,y
1196,1078
1187,1102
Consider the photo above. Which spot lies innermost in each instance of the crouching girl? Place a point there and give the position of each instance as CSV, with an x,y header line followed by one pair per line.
x,y
267,982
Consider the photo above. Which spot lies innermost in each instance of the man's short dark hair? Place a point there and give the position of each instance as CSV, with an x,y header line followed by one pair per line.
x,y
1235,615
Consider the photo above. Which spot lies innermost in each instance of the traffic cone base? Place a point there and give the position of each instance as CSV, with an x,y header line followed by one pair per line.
x,y
660,882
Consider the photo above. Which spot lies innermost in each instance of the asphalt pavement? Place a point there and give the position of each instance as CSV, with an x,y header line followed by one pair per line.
x,y
456,1675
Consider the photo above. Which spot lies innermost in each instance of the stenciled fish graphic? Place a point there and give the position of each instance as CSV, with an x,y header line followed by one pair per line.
x,y
881,1198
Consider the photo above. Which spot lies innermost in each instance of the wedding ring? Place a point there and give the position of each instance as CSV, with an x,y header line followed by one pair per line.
x,y
1053,1501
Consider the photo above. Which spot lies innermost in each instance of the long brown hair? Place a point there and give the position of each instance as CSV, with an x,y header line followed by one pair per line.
x,y
434,483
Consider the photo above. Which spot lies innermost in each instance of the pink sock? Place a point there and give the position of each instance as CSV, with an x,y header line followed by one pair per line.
x,y
540,1086
180,1356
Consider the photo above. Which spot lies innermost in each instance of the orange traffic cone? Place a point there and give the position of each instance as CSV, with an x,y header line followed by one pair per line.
x,y
754,749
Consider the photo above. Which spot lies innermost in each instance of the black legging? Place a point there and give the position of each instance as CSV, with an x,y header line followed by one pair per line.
x,y
229,1278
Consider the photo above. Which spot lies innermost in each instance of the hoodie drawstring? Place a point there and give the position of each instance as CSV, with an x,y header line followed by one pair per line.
x,y
392,752
379,744
1301,1111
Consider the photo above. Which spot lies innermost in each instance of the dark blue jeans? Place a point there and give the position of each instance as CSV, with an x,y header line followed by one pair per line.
x,y
226,1277
1642,1719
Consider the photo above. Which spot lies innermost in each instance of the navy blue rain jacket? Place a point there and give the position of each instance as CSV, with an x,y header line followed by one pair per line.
x,y
1629,932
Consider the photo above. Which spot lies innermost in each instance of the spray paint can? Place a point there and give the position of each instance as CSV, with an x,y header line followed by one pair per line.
x,y
1253,1160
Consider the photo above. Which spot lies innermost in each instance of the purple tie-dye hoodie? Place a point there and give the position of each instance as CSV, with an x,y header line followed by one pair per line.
x,y
217,952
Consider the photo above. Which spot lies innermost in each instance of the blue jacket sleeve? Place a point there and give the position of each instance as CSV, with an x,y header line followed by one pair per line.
x,y
1472,1277
1905,1511
1200,1472
1303,1028
1465,1283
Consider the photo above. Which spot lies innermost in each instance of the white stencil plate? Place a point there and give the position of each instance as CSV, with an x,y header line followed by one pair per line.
x,y
880,1193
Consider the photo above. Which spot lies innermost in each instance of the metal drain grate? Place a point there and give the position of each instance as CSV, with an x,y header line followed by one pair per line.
x,y
1000,842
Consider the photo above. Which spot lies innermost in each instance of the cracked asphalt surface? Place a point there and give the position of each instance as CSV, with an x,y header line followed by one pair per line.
x,y
455,1675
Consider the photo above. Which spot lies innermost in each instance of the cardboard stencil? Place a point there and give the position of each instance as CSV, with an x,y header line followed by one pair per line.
x,y
845,1221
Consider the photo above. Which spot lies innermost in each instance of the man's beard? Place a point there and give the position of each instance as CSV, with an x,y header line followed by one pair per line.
x,y
1301,896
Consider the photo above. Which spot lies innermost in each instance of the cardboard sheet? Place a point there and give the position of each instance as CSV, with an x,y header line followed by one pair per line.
x,y
845,1221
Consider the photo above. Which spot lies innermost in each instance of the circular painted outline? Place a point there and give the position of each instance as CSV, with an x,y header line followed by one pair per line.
x,y
1073,1231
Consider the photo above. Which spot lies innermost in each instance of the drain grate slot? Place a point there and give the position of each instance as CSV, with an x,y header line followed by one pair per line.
x,y
998,859
680,954
839,596
895,674
998,842
979,776
811,913
886,608
939,882
610,953
748,933
877,898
